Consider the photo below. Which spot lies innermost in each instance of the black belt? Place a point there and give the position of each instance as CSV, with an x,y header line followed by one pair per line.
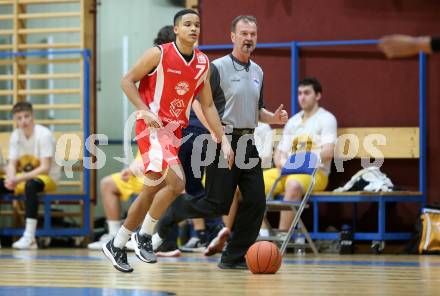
x,y
242,131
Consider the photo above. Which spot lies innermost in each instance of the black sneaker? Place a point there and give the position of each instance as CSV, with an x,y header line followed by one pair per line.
x,y
227,265
117,256
167,246
143,247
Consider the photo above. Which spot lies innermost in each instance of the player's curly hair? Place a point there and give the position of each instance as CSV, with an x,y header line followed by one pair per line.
x,y
165,35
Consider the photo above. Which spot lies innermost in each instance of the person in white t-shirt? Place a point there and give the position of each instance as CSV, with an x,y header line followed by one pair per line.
x,y
264,143
312,129
31,167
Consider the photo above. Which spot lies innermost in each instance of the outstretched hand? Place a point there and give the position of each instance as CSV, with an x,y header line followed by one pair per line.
x,y
396,46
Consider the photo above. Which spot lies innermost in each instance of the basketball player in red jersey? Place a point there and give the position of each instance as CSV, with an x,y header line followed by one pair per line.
x,y
171,76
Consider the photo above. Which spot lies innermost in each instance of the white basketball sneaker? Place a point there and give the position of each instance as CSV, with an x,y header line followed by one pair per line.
x,y
25,243
100,243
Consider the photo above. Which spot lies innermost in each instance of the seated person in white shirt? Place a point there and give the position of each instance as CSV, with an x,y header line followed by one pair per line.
x,y
311,129
31,167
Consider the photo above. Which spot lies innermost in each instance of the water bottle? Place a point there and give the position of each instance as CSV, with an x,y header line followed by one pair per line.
x,y
300,248
300,251
346,240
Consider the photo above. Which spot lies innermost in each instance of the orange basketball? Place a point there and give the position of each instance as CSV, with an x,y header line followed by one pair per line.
x,y
263,257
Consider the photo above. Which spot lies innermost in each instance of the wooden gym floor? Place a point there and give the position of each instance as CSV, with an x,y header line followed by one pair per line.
x,y
69,272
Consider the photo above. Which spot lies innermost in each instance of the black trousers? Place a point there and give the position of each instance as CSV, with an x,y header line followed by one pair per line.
x,y
221,184
193,185
31,190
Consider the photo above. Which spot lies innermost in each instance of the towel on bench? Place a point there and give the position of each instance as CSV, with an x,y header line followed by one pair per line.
x,y
369,179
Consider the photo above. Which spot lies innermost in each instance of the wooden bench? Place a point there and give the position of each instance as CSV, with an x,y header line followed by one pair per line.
x,y
71,195
386,143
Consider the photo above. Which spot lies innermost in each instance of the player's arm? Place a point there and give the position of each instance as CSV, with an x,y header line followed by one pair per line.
x,y
329,138
278,117
13,155
327,152
209,111
285,145
280,158
146,63
395,46
11,168
199,113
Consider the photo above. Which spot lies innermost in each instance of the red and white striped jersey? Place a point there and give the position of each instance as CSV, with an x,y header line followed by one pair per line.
x,y
170,89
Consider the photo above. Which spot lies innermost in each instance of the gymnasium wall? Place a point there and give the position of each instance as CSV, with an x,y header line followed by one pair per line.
x,y
125,29
38,68
361,87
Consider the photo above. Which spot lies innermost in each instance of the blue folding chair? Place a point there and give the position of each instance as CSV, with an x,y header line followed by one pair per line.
x,y
303,162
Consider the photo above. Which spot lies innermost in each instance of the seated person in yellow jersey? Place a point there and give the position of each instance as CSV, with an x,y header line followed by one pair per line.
x,y
114,189
312,129
31,168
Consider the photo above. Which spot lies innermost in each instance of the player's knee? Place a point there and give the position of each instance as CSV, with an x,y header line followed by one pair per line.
x,y
178,186
106,181
293,191
31,187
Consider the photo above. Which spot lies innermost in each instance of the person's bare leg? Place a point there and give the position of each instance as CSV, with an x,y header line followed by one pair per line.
x,y
198,224
230,218
264,225
138,209
293,192
112,207
174,186
110,199
136,214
